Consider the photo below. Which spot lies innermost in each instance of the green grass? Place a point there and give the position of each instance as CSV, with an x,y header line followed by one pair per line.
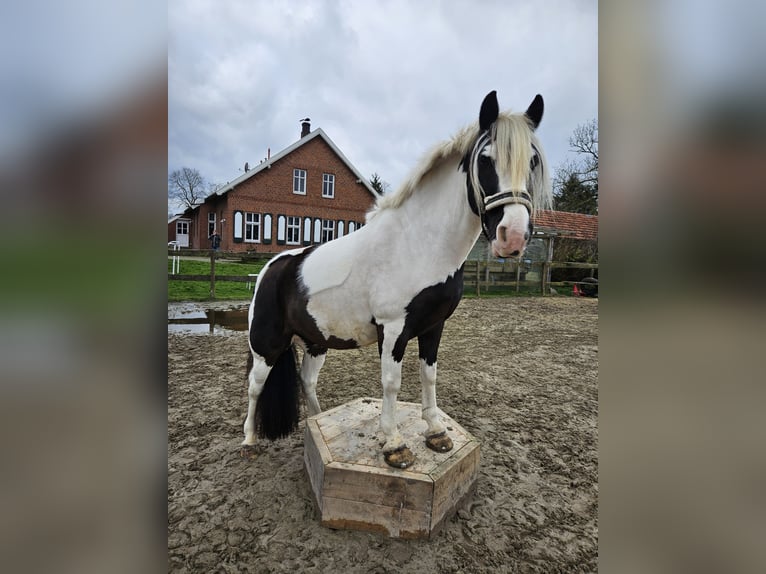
x,y
200,290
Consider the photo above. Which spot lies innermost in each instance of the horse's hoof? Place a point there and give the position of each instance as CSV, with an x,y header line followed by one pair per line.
x,y
439,442
248,452
402,457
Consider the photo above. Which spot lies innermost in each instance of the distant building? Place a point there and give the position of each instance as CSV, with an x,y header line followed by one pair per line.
x,y
306,194
554,224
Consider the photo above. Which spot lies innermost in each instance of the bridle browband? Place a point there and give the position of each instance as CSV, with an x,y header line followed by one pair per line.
x,y
484,202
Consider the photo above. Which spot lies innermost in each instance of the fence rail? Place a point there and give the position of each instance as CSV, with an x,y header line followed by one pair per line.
x,y
478,276
481,276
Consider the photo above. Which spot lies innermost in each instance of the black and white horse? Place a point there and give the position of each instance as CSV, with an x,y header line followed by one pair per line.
x,y
398,277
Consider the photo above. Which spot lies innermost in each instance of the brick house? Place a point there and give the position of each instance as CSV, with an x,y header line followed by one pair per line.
x,y
308,193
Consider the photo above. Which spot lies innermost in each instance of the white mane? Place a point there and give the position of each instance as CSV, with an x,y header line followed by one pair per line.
x,y
513,136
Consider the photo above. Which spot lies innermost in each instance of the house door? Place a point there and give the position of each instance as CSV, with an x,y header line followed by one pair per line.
x,y
182,233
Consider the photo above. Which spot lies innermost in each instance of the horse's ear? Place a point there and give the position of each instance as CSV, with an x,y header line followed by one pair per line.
x,y
489,111
535,110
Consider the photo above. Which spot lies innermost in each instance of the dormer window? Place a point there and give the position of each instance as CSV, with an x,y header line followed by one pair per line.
x,y
299,181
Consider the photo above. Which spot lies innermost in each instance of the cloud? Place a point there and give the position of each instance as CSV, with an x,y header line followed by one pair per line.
x,y
384,80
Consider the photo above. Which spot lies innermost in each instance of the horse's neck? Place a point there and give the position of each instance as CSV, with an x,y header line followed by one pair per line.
x,y
439,216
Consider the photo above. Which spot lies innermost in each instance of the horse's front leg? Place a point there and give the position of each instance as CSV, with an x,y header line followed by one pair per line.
x,y
391,344
436,433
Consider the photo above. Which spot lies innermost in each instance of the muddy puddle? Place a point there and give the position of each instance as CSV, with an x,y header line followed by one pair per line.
x,y
199,318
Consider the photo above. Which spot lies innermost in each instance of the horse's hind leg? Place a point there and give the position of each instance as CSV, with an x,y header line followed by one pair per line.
x,y
436,433
256,379
310,367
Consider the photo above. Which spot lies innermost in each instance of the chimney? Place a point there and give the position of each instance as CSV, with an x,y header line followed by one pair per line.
x,y
305,127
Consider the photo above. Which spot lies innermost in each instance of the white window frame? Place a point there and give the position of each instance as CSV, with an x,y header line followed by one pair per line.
x,y
293,230
211,221
299,181
252,223
328,186
328,230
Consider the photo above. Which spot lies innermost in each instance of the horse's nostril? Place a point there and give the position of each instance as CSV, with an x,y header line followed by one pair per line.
x,y
515,253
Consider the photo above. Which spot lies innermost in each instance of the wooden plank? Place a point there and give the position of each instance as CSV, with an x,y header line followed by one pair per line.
x,y
360,414
453,481
206,278
572,265
324,453
396,522
405,490
315,458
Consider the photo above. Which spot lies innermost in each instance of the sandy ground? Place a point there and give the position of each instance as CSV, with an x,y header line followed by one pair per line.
x,y
520,374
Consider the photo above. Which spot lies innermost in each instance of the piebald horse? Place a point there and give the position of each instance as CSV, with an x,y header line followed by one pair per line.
x,y
398,277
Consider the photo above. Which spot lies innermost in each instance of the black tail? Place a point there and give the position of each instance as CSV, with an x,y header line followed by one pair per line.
x,y
276,413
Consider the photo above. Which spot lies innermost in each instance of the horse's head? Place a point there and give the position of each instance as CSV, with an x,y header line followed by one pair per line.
x,y
507,175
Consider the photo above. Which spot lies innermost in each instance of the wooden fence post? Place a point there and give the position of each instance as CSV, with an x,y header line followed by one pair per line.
x,y
546,267
486,271
212,273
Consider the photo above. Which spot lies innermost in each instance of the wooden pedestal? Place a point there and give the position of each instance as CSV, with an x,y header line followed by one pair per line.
x,y
354,487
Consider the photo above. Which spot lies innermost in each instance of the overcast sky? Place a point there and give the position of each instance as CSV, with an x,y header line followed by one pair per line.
x,y
384,80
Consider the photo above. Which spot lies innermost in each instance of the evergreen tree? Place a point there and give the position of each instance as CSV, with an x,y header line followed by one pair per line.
x,y
378,184
576,197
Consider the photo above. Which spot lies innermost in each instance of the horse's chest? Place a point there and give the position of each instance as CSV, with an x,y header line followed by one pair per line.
x,y
434,304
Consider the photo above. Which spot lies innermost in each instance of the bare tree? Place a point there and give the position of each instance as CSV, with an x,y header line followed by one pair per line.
x,y
575,183
187,186
584,142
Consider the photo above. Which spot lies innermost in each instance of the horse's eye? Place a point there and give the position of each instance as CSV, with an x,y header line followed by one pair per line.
x,y
534,162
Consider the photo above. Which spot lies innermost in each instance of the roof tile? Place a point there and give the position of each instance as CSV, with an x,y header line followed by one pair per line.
x,y
575,225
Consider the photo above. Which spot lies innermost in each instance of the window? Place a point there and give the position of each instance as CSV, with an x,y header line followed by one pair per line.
x,y
328,230
267,228
299,181
210,223
182,228
237,227
253,227
328,185
293,230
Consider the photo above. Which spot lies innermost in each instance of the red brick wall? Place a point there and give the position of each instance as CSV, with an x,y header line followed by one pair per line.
x,y
271,191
